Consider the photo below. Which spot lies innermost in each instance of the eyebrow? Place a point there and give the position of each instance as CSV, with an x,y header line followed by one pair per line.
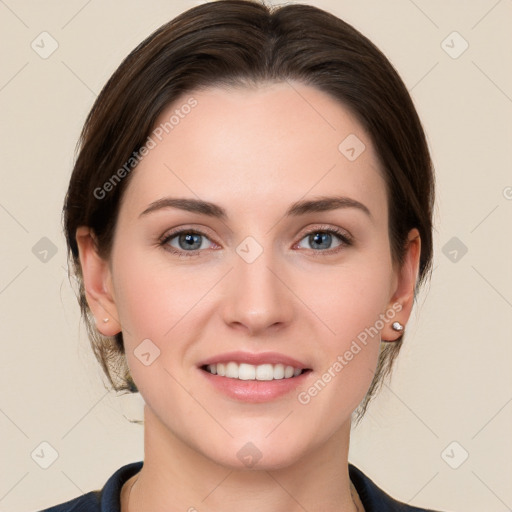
x,y
303,207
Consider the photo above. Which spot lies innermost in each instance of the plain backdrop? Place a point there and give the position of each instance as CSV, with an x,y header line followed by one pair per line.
x,y
438,435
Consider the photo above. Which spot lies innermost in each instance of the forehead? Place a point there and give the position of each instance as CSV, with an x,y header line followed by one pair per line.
x,y
276,142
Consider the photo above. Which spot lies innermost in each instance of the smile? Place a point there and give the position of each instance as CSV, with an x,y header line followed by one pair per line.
x,y
245,371
254,377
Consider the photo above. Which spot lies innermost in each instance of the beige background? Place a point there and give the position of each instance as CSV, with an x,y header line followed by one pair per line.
x,y
453,381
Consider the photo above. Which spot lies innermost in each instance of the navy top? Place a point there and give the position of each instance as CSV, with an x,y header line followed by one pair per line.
x,y
108,498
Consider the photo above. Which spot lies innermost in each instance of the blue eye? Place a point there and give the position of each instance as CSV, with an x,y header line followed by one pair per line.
x,y
187,242
190,243
322,239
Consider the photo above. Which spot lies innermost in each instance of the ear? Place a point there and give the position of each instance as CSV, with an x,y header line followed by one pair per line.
x,y
402,299
97,283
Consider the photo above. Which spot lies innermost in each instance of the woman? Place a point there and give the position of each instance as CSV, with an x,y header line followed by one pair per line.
x,y
249,219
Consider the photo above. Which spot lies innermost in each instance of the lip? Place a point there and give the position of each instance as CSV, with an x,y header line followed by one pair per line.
x,y
254,391
254,359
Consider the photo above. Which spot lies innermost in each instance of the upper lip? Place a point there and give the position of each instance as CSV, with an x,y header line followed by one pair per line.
x,y
254,359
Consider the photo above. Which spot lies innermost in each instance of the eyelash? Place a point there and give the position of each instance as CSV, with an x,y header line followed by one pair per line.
x,y
344,238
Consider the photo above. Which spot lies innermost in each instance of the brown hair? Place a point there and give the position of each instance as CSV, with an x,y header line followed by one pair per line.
x,y
243,42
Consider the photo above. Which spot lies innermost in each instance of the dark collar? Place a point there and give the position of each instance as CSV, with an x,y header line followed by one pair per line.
x,y
373,498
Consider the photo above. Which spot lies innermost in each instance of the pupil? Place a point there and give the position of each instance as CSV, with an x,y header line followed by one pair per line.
x,y
190,239
318,238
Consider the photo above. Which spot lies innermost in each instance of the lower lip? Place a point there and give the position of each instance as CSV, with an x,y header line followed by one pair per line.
x,y
254,390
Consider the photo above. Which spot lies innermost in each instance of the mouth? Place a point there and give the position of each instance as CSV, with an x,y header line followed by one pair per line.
x,y
248,372
255,378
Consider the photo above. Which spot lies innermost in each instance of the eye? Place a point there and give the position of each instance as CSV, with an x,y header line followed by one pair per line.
x,y
189,242
186,242
321,240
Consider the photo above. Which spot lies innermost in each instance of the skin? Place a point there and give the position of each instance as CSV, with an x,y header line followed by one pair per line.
x,y
253,151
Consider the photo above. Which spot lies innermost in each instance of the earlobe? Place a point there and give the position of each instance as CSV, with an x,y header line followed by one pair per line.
x,y
97,283
402,300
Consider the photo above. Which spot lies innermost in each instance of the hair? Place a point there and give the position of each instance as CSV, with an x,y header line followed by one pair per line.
x,y
246,43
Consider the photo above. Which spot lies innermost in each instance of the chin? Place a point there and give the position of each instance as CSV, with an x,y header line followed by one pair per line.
x,y
253,453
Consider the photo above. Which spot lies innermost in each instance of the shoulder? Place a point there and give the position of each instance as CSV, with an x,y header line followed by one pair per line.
x,y
105,500
374,499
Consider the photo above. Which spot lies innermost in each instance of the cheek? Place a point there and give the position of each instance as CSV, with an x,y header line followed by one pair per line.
x,y
349,300
152,296
350,304
161,310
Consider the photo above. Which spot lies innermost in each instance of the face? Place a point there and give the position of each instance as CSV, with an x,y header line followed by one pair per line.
x,y
278,281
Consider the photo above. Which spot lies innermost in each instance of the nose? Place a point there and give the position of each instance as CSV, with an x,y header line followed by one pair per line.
x,y
257,298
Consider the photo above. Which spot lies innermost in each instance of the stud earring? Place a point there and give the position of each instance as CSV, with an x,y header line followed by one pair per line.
x,y
397,326
105,320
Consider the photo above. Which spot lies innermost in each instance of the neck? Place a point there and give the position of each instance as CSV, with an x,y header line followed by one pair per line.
x,y
175,477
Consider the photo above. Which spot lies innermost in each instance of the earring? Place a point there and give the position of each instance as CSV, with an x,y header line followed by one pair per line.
x,y
397,326
105,320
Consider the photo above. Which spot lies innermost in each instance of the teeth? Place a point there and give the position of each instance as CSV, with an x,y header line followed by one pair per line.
x,y
232,371
244,371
